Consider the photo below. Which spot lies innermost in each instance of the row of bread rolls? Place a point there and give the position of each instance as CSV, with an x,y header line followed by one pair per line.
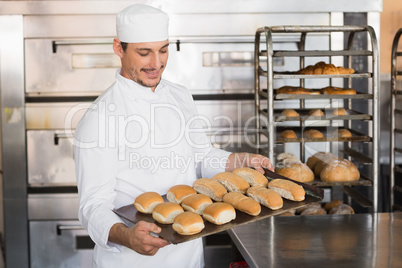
x,y
244,189
335,206
330,90
314,133
313,112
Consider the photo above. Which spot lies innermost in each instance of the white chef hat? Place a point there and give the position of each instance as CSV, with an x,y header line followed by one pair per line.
x,y
142,23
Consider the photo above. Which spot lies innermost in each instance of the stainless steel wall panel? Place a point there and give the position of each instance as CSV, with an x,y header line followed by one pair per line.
x,y
53,206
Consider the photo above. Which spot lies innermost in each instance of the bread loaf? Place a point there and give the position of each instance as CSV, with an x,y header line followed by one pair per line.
x,y
322,68
313,133
287,189
339,111
342,209
196,203
266,197
290,113
337,91
219,213
315,205
315,112
166,212
314,159
211,188
243,203
296,171
287,157
232,182
188,223
313,211
334,203
177,193
252,176
147,201
342,133
288,213
324,160
288,134
296,90
340,170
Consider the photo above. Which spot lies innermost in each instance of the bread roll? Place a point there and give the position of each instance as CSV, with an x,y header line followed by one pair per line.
x,y
287,157
337,91
296,171
177,193
188,223
340,170
266,197
290,113
342,209
342,133
315,205
287,189
147,201
243,203
315,112
334,203
323,68
219,213
339,111
288,213
313,211
296,90
211,188
324,160
232,182
252,176
196,203
313,133
166,212
314,159
288,134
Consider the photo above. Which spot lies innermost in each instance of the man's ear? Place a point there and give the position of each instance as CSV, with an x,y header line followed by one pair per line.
x,y
118,49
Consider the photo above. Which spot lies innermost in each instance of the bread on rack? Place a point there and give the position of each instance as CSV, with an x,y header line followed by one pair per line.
x,y
342,133
315,112
196,203
188,223
252,176
342,209
339,111
146,202
313,211
290,113
340,170
211,188
297,90
314,159
287,189
337,91
323,68
266,197
313,133
296,171
243,203
287,157
288,134
323,161
311,205
232,182
177,193
334,203
219,213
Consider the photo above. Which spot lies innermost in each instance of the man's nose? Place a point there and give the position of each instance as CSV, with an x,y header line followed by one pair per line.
x,y
156,61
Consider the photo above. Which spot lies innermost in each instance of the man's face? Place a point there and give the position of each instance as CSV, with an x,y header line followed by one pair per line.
x,y
145,62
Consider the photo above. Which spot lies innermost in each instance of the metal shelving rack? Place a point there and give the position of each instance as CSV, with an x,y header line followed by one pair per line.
x,y
395,130
266,139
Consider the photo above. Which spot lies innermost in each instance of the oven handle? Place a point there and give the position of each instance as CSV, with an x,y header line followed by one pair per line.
x,y
58,136
61,227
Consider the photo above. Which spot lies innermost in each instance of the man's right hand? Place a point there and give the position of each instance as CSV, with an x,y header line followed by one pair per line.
x,y
138,237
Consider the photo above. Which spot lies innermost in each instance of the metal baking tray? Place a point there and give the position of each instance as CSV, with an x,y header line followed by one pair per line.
x,y
328,115
313,195
362,96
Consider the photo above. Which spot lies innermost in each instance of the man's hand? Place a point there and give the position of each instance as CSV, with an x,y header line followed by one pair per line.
x,y
138,237
256,161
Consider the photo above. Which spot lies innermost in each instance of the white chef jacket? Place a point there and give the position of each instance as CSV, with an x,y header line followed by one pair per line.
x,y
132,140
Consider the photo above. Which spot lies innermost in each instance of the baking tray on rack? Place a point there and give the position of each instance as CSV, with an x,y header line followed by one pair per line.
x,y
328,115
313,195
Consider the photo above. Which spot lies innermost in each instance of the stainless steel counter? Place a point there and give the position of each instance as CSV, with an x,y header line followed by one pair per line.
x,y
360,240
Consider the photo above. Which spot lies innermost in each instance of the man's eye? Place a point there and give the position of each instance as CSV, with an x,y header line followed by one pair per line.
x,y
164,51
143,54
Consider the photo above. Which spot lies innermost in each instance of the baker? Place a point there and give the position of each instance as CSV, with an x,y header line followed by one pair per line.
x,y
142,134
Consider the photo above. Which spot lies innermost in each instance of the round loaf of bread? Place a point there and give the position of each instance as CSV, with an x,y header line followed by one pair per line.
x,y
315,205
296,90
188,223
266,197
313,211
337,91
340,170
288,134
334,203
287,157
242,203
290,113
342,133
146,202
177,193
296,171
324,160
211,188
252,176
287,189
232,182
314,159
196,203
219,213
342,209
315,112
339,111
166,212
313,133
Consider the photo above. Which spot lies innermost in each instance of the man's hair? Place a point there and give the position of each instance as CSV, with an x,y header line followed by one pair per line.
x,y
124,46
